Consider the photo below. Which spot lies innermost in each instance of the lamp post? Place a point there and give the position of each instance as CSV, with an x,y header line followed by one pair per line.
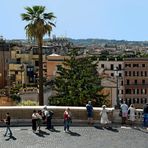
x,y
117,87
22,79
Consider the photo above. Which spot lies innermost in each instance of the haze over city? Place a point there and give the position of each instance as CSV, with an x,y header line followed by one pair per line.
x,y
82,19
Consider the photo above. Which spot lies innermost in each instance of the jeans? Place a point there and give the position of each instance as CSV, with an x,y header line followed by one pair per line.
x,y
8,129
66,125
49,126
145,122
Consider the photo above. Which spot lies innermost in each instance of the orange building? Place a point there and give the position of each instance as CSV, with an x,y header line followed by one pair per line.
x,y
53,61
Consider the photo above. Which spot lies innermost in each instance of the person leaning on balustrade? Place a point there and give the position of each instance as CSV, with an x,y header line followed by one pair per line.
x,y
145,114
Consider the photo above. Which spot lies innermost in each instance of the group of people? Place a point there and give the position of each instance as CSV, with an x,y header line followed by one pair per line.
x,y
104,115
40,116
127,113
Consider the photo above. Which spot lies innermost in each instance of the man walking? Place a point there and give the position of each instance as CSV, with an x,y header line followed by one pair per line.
x,y
7,121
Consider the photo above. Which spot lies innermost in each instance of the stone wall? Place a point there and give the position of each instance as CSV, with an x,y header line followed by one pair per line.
x,y
22,114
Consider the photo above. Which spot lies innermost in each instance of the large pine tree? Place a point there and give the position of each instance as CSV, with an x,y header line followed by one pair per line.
x,y
77,81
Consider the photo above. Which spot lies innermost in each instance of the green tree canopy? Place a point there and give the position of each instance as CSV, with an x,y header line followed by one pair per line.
x,y
77,82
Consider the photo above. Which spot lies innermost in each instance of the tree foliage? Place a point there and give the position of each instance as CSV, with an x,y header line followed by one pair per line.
x,y
77,82
39,24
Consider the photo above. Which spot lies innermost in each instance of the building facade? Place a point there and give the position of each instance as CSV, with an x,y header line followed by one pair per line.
x,y
136,81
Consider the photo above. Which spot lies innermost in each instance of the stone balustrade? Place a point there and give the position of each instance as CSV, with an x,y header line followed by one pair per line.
x,y
22,114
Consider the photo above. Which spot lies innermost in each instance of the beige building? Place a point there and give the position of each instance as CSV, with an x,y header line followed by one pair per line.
x,y
4,59
113,72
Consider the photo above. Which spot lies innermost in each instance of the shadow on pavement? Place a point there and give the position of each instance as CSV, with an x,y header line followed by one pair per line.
x,y
42,133
140,129
111,129
54,130
11,137
98,127
73,133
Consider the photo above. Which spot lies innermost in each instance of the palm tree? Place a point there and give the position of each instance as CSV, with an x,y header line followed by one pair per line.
x,y
40,24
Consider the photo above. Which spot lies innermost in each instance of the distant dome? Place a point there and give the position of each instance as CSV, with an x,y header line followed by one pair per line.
x,y
53,54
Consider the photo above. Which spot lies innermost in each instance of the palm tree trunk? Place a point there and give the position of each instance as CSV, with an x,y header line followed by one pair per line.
x,y
41,95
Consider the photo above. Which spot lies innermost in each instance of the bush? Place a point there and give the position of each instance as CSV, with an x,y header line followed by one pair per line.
x,y
28,103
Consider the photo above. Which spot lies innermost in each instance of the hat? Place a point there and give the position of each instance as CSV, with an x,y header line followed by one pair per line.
x,y
103,106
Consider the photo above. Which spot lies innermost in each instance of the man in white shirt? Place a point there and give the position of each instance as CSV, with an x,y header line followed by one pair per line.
x,y
124,109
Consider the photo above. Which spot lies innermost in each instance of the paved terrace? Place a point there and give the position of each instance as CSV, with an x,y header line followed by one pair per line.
x,y
79,137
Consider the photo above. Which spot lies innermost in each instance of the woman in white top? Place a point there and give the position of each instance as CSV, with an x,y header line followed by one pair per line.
x,y
131,112
104,116
34,119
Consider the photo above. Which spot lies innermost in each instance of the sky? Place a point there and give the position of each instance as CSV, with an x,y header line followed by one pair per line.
x,y
81,19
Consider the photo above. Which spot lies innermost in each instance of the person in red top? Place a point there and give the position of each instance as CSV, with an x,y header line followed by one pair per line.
x,y
67,120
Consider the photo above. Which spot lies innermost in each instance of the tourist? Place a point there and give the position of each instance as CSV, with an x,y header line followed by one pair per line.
x,y
67,119
7,121
131,113
89,109
145,114
39,119
48,115
124,110
104,117
34,120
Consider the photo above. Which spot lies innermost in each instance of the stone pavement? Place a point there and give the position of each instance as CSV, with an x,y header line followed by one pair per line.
x,y
79,137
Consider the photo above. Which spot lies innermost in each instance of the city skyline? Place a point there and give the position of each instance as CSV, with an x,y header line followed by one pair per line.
x,y
102,19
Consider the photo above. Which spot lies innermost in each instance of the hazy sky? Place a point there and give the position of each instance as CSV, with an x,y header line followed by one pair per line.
x,y
107,19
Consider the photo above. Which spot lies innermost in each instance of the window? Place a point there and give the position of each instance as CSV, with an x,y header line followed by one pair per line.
x,y
143,81
136,82
141,100
143,65
134,101
120,67
127,65
145,100
145,73
137,73
133,73
135,65
134,92
141,73
125,73
102,65
18,61
16,72
112,74
137,100
36,63
128,91
129,73
120,74
127,82
112,67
